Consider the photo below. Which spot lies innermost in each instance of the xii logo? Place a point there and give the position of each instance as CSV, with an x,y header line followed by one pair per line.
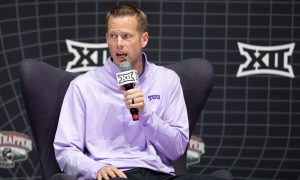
x,y
87,56
127,77
266,60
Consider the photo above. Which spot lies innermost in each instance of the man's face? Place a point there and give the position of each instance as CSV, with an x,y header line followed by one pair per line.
x,y
125,41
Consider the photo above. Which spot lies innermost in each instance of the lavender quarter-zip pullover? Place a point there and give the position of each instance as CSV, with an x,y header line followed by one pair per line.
x,y
95,128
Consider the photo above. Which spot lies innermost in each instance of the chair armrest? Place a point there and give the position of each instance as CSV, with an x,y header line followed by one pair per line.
x,y
62,176
195,150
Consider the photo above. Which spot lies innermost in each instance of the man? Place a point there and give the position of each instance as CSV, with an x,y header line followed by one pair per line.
x,y
96,137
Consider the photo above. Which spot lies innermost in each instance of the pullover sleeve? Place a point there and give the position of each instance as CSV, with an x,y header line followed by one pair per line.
x,y
169,134
69,143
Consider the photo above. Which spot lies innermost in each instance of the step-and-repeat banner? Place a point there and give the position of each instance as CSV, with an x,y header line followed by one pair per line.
x,y
251,122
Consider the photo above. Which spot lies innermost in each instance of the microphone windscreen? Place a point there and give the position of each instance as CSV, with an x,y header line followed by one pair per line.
x,y
125,66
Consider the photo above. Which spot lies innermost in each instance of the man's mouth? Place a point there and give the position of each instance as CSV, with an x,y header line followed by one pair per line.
x,y
121,55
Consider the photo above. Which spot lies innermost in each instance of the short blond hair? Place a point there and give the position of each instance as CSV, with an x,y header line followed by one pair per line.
x,y
129,10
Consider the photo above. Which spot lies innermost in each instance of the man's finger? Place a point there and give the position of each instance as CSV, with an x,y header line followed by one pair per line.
x,y
99,177
111,173
104,175
119,173
133,99
133,91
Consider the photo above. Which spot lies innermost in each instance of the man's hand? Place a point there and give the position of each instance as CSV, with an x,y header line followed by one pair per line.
x,y
108,172
134,98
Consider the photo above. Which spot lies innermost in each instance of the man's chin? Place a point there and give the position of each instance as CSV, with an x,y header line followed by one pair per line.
x,y
118,60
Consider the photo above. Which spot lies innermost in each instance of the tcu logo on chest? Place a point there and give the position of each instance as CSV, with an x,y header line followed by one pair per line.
x,y
151,97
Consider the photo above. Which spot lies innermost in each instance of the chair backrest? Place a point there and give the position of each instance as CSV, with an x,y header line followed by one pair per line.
x,y
196,76
43,88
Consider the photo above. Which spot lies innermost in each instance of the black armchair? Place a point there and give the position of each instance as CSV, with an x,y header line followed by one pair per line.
x,y
43,88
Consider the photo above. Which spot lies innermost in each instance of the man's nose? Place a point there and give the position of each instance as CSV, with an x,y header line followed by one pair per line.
x,y
120,41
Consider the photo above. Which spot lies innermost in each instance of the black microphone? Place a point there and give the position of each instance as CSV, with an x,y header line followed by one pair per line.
x,y
126,66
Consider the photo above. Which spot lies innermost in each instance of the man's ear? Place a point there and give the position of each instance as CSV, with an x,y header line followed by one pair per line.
x,y
145,38
106,37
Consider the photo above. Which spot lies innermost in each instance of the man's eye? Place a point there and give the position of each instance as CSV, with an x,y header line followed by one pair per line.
x,y
126,36
113,36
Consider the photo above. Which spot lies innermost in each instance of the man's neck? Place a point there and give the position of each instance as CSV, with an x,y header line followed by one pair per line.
x,y
140,65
